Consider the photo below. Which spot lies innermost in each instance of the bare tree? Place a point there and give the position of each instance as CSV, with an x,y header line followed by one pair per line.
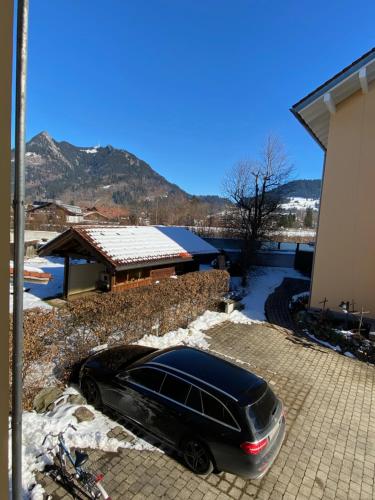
x,y
251,185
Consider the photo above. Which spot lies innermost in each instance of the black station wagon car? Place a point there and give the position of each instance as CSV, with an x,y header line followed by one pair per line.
x,y
215,413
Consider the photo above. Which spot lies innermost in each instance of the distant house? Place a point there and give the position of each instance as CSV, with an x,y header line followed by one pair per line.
x,y
94,215
340,116
52,214
117,258
55,215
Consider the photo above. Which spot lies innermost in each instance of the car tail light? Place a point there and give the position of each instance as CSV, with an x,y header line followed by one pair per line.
x,y
255,447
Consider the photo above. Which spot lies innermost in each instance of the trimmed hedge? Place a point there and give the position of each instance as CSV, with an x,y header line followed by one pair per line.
x,y
68,336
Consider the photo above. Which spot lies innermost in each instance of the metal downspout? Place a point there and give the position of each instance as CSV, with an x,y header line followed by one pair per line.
x,y
19,226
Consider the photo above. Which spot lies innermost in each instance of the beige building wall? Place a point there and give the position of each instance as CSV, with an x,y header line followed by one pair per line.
x,y
344,265
6,41
83,277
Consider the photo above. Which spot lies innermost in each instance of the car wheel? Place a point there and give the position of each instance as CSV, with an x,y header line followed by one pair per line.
x,y
91,392
197,457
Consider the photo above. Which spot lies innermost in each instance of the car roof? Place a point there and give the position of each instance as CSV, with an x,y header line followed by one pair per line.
x,y
210,370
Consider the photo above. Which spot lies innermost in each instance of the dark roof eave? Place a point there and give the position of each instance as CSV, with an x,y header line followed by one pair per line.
x,y
309,130
151,263
51,248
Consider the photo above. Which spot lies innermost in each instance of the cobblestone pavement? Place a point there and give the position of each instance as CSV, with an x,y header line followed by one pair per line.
x,y
329,451
277,304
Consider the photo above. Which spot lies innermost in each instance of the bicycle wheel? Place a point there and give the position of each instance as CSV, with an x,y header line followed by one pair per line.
x,y
92,486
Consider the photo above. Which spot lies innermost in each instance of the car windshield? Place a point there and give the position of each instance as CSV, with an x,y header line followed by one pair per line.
x,y
117,358
260,412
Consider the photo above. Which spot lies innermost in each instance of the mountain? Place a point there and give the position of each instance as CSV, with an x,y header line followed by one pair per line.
x,y
107,176
60,170
302,188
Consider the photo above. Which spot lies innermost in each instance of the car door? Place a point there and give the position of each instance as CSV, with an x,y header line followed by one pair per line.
x,y
171,416
219,426
131,392
143,385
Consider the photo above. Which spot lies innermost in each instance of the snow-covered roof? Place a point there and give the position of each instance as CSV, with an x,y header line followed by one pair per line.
x,y
71,208
127,244
123,246
190,241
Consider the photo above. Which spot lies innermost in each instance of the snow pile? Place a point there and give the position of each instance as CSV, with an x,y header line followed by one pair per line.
x,y
91,434
298,296
324,343
192,336
263,281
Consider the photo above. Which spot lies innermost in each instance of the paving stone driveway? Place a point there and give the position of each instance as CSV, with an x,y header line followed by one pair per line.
x,y
329,451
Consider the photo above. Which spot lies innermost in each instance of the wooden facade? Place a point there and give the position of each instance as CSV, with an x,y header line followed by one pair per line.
x,y
97,271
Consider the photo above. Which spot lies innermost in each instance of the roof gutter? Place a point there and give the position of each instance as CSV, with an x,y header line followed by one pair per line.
x,y
324,91
334,81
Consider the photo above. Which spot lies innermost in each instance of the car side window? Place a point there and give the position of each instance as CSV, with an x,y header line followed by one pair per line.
x,y
213,408
147,377
194,399
175,388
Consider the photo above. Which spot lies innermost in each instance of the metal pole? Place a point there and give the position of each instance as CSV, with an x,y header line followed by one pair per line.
x,y
19,226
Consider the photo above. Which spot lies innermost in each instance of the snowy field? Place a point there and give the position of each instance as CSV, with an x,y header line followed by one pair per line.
x,y
262,282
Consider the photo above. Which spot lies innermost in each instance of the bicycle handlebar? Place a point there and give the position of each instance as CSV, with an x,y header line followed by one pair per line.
x,y
60,434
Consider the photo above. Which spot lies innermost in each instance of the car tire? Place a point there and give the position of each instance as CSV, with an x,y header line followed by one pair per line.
x,y
197,456
91,392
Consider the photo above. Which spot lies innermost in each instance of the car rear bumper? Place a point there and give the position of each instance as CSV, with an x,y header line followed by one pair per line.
x,y
256,468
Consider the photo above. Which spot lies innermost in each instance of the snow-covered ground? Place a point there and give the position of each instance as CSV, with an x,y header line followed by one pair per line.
x,y
263,281
295,233
92,434
36,292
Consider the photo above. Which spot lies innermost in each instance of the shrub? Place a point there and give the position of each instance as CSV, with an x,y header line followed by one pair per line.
x,y
40,328
68,336
160,307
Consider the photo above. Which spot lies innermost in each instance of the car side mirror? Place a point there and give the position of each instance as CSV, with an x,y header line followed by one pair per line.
x,y
123,376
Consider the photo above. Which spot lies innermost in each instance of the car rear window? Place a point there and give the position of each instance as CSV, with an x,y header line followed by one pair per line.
x,y
260,412
175,388
147,377
213,408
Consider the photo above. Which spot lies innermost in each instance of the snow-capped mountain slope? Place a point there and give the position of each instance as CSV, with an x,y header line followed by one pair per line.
x,y
299,203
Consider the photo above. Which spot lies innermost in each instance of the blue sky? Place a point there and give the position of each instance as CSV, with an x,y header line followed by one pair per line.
x,y
190,86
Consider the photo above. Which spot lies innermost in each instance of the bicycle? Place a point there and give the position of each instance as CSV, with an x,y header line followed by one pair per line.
x,y
60,473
